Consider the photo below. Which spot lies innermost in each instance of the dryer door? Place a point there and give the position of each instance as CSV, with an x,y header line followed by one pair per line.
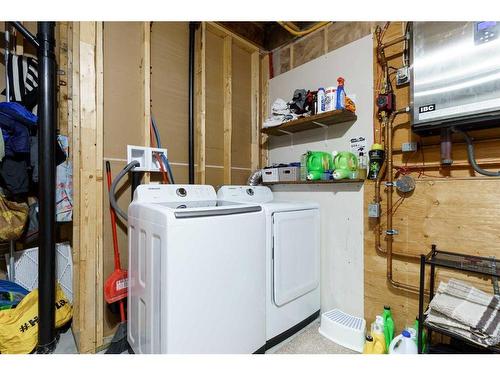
x,y
296,249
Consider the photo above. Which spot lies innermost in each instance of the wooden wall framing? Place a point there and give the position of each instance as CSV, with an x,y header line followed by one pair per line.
x,y
111,95
212,157
87,141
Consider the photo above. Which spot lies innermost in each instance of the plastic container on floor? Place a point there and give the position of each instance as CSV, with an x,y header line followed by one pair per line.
x,y
343,329
403,344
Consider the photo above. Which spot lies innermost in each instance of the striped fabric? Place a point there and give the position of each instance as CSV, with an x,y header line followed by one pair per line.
x,y
23,80
466,311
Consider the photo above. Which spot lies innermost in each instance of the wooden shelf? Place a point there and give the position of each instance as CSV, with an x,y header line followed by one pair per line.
x,y
345,181
321,120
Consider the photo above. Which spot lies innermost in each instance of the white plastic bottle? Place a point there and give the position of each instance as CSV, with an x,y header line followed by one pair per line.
x,y
403,344
320,98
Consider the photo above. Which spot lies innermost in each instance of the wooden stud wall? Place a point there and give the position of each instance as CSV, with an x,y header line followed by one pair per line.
x,y
228,106
117,75
88,174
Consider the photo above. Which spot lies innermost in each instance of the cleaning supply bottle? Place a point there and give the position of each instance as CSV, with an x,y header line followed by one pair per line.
x,y
320,99
424,336
362,166
368,347
377,156
403,344
388,325
377,332
340,101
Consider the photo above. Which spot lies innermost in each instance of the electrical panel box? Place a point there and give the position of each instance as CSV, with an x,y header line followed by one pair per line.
x,y
409,147
374,210
455,75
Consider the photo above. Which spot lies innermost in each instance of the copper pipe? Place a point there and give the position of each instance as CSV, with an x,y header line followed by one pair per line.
x,y
397,40
388,164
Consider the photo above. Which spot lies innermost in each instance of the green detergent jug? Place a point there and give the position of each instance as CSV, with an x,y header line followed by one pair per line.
x,y
345,164
388,325
316,163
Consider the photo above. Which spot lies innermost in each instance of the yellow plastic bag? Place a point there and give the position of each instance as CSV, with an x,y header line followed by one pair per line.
x,y
13,217
19,326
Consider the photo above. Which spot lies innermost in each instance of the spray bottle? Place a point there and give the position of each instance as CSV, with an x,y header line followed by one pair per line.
x,y
340,102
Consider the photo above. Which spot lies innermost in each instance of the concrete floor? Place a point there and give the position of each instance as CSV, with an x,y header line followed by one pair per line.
x,y
309,341
306,341
66,344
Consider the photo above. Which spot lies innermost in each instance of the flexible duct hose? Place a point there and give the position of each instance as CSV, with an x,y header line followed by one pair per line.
x,y
255,178
471,156
116,180
294,30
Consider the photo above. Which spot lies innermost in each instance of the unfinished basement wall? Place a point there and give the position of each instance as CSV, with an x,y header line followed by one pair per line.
x,y
121,72
453,207
341,204
326,39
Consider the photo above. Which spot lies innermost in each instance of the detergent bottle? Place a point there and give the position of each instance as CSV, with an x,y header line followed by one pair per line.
x,y
345,164
340,101
403,344
321,100
368,347
377,332
388,325
424,336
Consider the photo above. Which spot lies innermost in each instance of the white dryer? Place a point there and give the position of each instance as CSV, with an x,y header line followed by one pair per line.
x,y
292,260
196,272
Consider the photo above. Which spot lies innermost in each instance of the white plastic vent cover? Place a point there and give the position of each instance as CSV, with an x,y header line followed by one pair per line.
x,y
343,329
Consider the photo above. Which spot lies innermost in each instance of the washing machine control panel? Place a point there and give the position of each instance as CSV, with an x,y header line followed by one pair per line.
x,y
156,193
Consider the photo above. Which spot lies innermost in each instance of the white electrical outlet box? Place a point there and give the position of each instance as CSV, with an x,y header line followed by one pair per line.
x,y
374,210
146,158
409,147
402,76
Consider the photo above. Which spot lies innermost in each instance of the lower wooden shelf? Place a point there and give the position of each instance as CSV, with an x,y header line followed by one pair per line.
x,y
322,182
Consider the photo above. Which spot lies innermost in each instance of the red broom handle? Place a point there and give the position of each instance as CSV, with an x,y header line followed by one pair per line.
x,y
113,221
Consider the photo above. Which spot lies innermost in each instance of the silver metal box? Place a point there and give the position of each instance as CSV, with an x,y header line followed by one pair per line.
x,y
455,68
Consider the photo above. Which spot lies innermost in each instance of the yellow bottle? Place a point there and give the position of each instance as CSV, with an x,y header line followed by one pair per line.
x,y
378,342
368,348
377,332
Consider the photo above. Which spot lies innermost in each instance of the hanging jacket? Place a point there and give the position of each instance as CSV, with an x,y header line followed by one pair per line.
x,y
15,121
23,80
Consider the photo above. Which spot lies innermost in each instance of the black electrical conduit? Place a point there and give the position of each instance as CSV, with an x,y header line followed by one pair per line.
x,y
47,127
471,155
192,29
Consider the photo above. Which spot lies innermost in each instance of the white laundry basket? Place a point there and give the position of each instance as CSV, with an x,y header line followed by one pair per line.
x,y
343,329
26,268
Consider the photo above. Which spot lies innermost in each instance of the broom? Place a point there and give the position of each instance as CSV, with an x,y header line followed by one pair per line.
x,y
116,285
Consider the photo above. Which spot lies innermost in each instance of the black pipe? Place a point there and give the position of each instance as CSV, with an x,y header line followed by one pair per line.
x,y
192,30
26,33
136,181
47,125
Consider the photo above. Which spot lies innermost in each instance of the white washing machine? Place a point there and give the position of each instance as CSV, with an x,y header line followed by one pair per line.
x,y
292,260
196,272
